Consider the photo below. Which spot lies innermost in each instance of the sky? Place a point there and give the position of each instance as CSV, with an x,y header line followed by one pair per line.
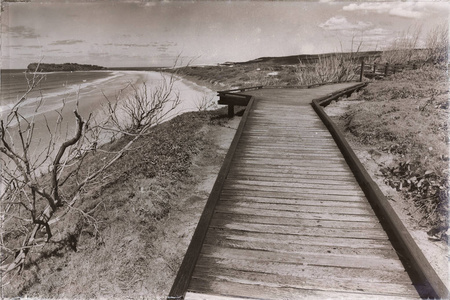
x,y
154,33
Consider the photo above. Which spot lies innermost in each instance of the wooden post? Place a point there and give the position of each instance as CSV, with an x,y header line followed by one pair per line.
x,y
362,70
386,69
230,111
374,67
414,66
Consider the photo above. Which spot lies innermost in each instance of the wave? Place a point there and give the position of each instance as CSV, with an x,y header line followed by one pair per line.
x,y
65,92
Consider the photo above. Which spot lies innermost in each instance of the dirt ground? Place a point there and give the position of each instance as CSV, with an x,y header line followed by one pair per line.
x,y
436,251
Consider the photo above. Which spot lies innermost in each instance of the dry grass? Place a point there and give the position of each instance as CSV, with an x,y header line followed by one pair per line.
x,y
127,236
407,116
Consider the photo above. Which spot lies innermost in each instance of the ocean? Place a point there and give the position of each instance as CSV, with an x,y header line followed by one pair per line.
x,y
88,88
15,83
58,94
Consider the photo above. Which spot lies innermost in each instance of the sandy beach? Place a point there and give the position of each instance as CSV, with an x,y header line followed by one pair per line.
x,y
90,99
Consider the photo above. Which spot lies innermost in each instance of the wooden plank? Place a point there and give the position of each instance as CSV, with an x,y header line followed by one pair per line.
x,y
344,210
296,282
299,241
231,99
281,136
282,174
367,233
183,277
234,217
329,260
318,158
315,164
293,169
227,208
325,203
269,148
281,131
276,177
289,139
311,190
198,296
403,239
274,147
298,184
275,246
294,195
254,291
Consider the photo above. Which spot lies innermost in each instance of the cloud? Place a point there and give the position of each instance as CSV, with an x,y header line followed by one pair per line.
x,y
341,23
128,45
378,32
23,32
66,42
401,9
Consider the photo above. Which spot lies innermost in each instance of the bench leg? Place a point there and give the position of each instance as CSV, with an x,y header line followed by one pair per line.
x,y
230,110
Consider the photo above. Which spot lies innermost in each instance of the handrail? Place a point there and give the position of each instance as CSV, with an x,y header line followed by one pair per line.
x,y
182,280
400,235
241,89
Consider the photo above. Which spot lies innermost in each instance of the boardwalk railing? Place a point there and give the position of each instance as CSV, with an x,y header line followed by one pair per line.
x,y
377,70
400,235
184,274
232,98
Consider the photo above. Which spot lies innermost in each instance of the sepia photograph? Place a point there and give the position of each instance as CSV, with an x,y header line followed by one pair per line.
x,y
224,150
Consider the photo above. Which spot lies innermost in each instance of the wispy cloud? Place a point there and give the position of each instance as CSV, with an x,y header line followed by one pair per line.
x,y
66,42
400,9
128,45
341,23
22,32
22,47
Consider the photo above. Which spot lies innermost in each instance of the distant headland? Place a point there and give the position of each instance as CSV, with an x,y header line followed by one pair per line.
x,y
36,67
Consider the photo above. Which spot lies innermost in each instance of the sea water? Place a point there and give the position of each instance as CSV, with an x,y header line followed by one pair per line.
x,y
88,89
17,84
58,94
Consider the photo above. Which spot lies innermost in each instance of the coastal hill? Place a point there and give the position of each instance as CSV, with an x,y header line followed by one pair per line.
x,y
310,58
36,67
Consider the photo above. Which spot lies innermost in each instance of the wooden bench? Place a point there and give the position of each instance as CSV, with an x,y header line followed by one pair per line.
x,y
231,98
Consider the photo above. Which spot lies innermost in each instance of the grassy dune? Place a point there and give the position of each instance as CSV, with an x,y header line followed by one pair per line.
x,y
129,234
404,119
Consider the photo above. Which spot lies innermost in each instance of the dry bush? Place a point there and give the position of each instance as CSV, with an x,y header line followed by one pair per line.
x,y
39,190
205,102
130,113
407,117
334,68
437,44
403,49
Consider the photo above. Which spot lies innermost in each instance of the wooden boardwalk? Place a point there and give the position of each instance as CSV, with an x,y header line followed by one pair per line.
x,y
291,221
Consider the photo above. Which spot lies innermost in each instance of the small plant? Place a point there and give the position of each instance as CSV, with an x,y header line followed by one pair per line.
x,y
437,44
332,68
406,117
143,107
206,102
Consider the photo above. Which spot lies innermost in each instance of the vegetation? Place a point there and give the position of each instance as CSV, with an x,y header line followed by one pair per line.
x,y
44,178
110,207
67,67
127,235
406,116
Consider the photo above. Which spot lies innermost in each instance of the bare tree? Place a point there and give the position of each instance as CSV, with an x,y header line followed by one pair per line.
x,y
39,189
129,113
205,102
437,44
404,48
